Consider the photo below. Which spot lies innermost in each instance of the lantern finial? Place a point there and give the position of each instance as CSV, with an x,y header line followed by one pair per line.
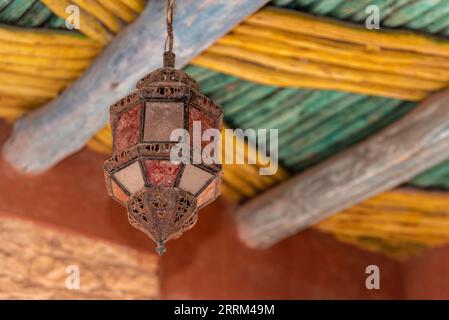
x,y
160,249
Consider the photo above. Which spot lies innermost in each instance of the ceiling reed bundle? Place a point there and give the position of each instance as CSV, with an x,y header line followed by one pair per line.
x,y
288,49
36,65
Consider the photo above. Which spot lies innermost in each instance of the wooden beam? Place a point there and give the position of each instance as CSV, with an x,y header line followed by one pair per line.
x,y
64,125
391,157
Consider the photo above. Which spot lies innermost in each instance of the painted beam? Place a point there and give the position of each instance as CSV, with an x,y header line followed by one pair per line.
x,y
63,126
391,157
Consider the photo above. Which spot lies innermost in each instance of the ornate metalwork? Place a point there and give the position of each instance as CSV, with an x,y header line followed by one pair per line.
x,y
162,196
162,213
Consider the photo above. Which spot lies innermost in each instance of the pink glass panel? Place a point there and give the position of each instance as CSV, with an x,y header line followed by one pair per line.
x,y
127,129
208,194
193,179
131,177
161,118
119,193
162,172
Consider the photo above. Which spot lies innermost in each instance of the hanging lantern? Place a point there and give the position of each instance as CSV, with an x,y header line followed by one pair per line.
x,y
162,196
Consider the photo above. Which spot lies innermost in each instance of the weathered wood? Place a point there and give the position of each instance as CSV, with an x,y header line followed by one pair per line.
x,y
33,262
391,157
63,126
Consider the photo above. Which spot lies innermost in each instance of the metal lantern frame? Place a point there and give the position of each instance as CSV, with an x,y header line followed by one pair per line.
x,y
161,207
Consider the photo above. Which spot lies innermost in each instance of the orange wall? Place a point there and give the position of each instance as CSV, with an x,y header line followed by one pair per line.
x,y
209,261
427,276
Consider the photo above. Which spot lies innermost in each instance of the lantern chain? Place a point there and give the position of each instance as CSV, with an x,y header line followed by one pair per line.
x,y
169,56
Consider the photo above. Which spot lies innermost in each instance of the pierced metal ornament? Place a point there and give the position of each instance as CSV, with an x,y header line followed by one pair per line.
x,y
162,197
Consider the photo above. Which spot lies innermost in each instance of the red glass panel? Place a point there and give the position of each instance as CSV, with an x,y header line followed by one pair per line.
x,y
207,122
128,129
162,172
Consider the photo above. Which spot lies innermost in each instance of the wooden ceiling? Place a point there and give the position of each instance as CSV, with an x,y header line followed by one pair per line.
x,y
279,69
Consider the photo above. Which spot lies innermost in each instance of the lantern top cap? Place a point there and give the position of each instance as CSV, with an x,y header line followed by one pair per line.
x,y
169,60
168,75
